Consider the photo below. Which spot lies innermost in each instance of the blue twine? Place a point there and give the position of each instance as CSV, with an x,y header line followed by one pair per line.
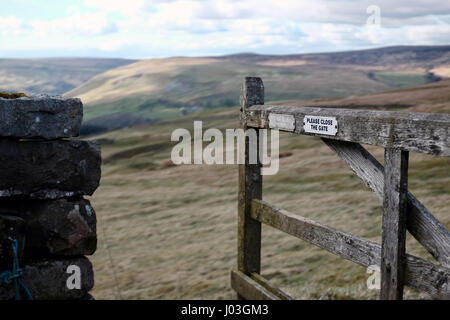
x,y
15,275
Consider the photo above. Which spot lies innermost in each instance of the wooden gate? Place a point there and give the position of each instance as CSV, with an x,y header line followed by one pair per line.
x,y
399,133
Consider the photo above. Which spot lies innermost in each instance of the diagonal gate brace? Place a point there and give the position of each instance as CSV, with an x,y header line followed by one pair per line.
x,y
420,222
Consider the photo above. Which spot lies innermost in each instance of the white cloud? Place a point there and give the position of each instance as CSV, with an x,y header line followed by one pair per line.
x,y
128,7
91,24
301,11
111,45
10,26
203,27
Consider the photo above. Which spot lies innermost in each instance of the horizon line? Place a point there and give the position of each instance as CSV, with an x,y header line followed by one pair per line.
x,y
228,55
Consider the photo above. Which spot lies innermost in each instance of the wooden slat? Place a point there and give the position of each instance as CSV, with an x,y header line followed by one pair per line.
x,y
393,242
409,131
249,289
250,187
420,222
263,282
420,274
345,245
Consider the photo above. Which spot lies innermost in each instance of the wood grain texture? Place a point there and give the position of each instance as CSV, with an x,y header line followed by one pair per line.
x,y
419,222
393,244
249,289
252,93
410,131
250,187
420,274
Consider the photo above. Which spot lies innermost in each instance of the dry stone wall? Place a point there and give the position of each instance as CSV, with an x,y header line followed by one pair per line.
x,y
44,174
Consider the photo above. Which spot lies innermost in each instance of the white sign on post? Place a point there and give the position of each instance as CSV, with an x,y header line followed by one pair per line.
x,y
320,125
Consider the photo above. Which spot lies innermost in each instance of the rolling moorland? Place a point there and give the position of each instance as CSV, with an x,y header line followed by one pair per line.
x,y
169,232
121,93
159,89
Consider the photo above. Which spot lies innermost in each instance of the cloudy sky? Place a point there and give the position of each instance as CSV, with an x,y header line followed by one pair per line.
x,y
161,28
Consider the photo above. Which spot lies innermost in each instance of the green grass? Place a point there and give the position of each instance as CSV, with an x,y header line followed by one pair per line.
x,y
401,79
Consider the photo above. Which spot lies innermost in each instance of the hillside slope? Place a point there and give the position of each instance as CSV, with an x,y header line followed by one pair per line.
x,y
52,76
158,89
432,97
406,56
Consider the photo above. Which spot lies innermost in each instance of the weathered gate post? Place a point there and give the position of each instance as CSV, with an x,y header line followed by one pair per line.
x,y
250,186
393,251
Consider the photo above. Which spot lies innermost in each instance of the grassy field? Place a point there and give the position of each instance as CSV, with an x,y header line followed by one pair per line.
x,y
170,232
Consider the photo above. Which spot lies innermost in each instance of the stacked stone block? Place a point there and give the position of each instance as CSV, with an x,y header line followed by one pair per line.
x,y
44,174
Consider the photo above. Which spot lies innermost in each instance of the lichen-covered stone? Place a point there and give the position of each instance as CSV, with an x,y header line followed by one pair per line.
x,y
56,227
48,279
47,117
14,228
49,169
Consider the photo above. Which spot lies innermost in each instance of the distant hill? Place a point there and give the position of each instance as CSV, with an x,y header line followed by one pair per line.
x,y
408,56
52,76
158,89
